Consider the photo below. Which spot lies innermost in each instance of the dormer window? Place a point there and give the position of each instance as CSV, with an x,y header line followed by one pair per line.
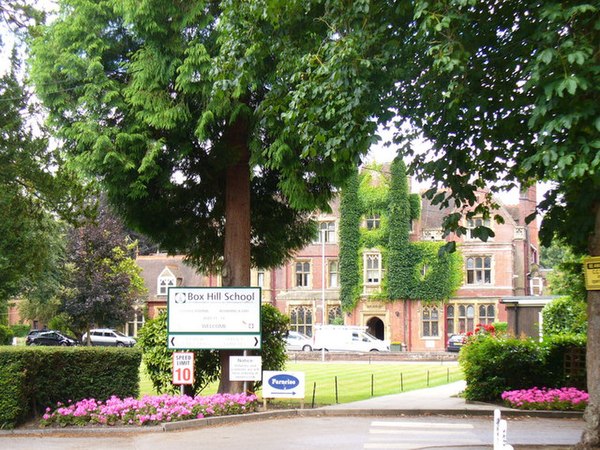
x,y
166,279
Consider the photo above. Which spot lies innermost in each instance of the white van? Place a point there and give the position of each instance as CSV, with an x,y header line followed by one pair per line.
x,y
347,339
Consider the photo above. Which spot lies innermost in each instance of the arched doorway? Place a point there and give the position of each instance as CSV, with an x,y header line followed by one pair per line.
x,y
376,328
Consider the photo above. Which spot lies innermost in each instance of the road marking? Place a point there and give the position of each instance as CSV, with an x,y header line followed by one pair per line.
x,y
428,425
413,434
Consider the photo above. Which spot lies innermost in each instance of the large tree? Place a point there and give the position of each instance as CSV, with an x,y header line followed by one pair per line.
x,y
35,188
103,282
30,237
215,127
508,93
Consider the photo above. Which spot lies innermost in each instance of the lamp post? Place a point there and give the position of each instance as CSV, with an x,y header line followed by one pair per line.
x,y
322,285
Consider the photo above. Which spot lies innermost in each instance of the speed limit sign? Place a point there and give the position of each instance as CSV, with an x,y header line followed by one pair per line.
x,y
183,368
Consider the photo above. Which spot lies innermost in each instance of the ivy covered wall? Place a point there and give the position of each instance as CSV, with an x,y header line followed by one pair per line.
x,y
411,270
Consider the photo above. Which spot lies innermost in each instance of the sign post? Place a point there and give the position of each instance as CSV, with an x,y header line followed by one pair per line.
x,y
183,368
214,318
591,270
245,368
283,385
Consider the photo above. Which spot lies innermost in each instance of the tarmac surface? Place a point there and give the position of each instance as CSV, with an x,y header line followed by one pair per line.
x,y
441,400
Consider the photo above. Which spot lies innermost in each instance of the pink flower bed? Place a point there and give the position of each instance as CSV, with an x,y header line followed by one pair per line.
x,y
563,399
149,410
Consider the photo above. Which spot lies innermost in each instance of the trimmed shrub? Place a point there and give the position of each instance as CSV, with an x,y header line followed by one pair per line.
x,y
494,364
564,357
34,378
13,392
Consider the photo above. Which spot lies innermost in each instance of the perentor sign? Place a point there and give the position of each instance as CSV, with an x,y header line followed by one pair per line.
x,y
213,318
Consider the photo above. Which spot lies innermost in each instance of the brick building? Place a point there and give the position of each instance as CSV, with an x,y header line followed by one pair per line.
x,y
306,288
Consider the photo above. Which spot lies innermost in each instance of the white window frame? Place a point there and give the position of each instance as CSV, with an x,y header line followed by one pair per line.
x,y
476,276
430,315
165,280
333,273
326,230
260,278
373,221
304,273
373,274
474,222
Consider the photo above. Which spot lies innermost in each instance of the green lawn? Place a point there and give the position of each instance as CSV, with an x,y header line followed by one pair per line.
x,y
356,381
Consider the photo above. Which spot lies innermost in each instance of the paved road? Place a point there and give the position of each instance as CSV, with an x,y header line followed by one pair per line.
x,y
322,433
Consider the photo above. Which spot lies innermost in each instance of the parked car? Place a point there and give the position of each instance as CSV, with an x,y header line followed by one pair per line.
x,y
298,341
347,338
50,337
456,342
108,337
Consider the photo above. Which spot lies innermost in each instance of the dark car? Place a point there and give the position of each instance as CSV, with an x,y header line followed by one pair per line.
x,y
456,342
50,337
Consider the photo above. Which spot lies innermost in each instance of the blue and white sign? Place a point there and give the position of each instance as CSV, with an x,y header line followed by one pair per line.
x,y
283,384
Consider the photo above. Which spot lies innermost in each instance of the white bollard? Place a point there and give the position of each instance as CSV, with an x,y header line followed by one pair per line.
x,y
500,432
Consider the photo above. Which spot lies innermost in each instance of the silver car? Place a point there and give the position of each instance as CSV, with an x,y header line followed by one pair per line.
x,y
298,341
108,338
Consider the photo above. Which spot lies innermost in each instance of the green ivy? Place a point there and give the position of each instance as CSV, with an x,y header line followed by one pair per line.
x,y
413,270
350,217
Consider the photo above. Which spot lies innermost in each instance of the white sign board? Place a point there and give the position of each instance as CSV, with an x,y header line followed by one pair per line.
x,y
283,384
183,368
213,318
245,368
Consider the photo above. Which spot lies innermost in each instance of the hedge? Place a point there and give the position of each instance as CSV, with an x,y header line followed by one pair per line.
x,y
33,378
493,365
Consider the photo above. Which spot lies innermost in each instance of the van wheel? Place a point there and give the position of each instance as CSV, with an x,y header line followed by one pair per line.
x,y
374,350
307,348
120,344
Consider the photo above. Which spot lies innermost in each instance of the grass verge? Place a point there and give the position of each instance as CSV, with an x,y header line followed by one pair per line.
x,y
327,383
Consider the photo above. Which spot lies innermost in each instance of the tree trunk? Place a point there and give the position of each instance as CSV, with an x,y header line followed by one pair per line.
x,y
591,434
236,263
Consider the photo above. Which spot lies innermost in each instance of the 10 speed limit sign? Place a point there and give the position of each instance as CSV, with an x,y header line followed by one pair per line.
x,y
183,368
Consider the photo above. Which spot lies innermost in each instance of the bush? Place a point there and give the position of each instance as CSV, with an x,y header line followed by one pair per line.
x,y
34,378
494,364
564,315
275,327
559,349
20,330
152,339
157,357
6,335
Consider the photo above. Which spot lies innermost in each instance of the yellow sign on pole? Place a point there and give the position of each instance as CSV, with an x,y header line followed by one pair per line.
x,y
591,270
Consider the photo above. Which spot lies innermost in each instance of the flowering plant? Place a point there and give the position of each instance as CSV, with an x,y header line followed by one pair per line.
x,y
149,410
563,399
482,329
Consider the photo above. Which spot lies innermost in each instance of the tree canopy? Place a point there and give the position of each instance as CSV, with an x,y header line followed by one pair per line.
x,y
103,282
159,100
36,188
30,237
507,93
